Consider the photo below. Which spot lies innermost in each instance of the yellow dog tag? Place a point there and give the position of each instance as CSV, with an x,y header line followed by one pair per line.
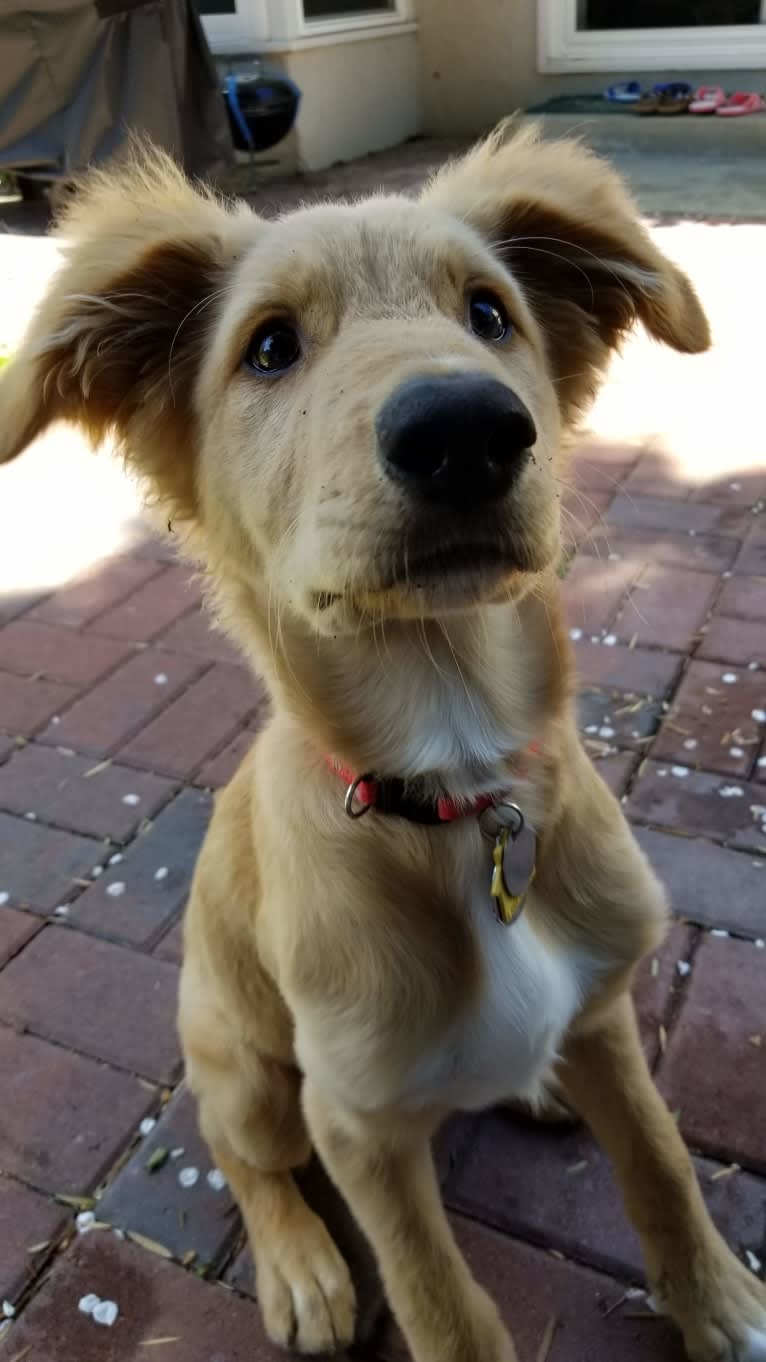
x,y
513,872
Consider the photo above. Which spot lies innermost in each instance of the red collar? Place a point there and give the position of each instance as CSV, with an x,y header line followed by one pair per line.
x,y
389,795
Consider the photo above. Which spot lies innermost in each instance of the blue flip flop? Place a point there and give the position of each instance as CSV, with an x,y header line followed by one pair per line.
x,y
624,92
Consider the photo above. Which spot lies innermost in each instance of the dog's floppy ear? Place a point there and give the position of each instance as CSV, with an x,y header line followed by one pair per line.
x,y
116,342
565,225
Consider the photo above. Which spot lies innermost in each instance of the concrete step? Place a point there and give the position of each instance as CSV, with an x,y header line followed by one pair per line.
x,y
680,165
705,186
662,134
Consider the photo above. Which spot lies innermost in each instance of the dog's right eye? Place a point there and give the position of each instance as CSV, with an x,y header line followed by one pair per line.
x,y
274,347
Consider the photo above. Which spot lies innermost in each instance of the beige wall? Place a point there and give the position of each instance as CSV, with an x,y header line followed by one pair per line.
x,y
479,62
357,97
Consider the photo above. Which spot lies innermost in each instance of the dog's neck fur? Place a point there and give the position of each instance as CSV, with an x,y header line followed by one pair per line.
x,y
443,705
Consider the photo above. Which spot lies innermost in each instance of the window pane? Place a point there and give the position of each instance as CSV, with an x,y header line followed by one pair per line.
x,y
333,9
605,14
215,6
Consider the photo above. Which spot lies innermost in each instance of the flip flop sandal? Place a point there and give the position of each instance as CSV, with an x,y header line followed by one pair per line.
x,y
661,95
707,99
674,104
624,92
675,97
647,104
741,103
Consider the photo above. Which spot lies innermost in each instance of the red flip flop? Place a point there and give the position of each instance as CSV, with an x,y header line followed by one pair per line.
x,y
741,103
707,99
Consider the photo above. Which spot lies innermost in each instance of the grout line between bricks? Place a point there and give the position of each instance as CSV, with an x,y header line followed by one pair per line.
x,y
160,571
144,948
92,625
110,841
189,777
549,1244
91,571
679,993
107,846
26,1029
13,955
163,704
57,827
645,822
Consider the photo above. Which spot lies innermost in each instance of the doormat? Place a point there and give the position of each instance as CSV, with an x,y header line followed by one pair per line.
x,y
580,104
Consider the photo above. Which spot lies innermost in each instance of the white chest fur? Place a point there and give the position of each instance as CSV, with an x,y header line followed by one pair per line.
x,y
505,1043
501,1044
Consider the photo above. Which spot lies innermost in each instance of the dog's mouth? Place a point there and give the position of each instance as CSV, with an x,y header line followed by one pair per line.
x,y
445,575
446,563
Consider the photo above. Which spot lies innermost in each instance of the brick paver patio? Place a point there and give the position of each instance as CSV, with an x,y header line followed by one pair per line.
x,y
120,713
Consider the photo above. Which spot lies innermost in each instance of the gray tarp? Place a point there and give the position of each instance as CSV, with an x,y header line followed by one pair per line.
x,y
77,75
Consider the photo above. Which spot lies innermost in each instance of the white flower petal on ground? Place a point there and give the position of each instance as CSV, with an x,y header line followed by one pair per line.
x,y
4,897
162,873
8,1310
680,772
683,968
729,678
731,791
87,1304
161,679
216,1180
575,634
106,1312
116,858
85,1221
131,799
115,890
188,1177
760,717
147,1126
690,744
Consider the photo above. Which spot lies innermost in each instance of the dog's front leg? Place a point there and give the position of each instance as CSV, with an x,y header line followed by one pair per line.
x,y
385,1171
719,1305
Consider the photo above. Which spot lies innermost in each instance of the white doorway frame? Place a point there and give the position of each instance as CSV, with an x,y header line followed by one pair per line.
x,y
561,46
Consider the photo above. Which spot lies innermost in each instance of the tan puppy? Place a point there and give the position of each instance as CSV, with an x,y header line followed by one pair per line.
x,y
359,412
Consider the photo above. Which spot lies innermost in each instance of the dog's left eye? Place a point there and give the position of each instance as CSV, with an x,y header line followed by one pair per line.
x,y
488,317
275,347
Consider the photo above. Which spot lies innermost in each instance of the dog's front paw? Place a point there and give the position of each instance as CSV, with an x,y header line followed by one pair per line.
x,y
489,1338
305,1291
721,1310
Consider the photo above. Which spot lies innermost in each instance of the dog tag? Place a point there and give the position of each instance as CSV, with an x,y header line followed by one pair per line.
x,y
513,871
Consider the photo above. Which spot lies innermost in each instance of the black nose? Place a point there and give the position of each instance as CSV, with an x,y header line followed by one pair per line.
x,y
456,439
